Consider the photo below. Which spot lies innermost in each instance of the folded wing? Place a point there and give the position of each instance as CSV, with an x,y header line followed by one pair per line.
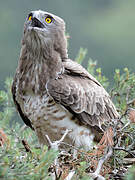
x,y
83,96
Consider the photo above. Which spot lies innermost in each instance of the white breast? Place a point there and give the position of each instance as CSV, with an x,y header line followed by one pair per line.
x,y
52,119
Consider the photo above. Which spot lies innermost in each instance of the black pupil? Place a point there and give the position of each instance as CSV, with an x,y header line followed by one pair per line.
x,y
48,18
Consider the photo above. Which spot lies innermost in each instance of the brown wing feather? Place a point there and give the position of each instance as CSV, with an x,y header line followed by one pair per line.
x,y
23,116
82,95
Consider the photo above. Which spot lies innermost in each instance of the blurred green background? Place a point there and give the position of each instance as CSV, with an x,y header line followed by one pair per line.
x,y
105,27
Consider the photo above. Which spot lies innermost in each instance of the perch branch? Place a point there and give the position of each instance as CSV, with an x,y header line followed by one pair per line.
x,y
55,145
107,155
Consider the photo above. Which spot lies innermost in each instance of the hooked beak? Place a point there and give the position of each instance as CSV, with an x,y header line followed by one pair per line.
x,y
36,23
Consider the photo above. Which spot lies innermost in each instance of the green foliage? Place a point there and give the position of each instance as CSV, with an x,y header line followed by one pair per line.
x,y
124,89
17,163
81,55
81,171
131,174
92,67
6,104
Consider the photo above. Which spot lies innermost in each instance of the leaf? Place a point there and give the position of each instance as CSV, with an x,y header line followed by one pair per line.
x,y
81,55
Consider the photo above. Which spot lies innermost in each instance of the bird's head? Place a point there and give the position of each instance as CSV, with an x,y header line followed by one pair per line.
x,y
45,32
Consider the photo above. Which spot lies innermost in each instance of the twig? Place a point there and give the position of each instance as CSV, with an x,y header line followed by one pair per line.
x,y
131,102
70,175
103,159
122,149
57,177
107,155
55,144
127,124
26,146
70,146
23,128
23,141
127,94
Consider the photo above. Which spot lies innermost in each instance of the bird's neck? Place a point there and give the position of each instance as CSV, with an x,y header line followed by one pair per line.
x,y
35,71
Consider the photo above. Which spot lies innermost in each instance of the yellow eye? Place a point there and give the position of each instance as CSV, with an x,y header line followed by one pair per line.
x,y
30,17
48,20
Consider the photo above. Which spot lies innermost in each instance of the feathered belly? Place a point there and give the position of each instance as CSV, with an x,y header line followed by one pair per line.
x,y
49,118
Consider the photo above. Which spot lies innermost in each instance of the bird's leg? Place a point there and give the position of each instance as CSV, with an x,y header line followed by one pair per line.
x,y
108,154
55,144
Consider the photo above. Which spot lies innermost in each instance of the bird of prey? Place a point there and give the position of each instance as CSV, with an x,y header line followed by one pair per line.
x,y
52,93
